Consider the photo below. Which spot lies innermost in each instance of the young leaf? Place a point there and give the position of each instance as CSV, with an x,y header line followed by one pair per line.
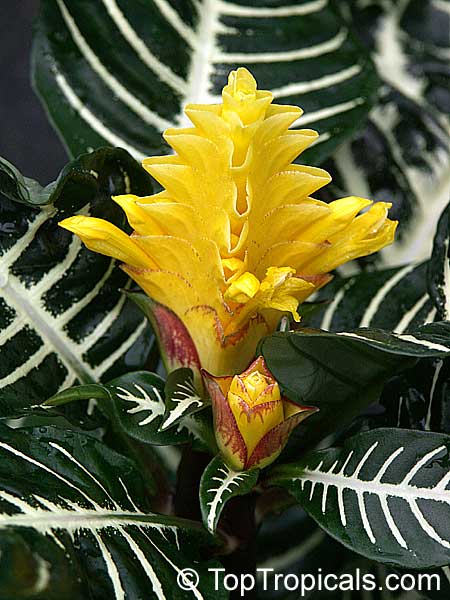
x,y
135,401
218,485
182,398
79,506
126,93
63,318
383,494
342,373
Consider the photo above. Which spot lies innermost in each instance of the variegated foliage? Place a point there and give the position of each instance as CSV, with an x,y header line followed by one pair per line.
x,y
127,92
135,402
403,153
74,506
219,484
385,492
63,318
146,408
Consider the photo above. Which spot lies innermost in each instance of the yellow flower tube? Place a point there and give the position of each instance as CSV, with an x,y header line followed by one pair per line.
x,y
235,240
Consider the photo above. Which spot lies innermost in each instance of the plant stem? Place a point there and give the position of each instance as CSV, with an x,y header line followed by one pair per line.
x,y
190,470
239,522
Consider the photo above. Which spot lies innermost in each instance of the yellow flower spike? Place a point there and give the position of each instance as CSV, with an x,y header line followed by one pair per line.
x,y
252,421
236,239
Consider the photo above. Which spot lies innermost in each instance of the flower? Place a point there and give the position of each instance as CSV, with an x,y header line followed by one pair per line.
x,y
235,240
252,421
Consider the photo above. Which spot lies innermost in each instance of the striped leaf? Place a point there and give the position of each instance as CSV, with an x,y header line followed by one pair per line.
x,y
354,365
293,543
383,494
392,299
181,397
74,522
63,318
403,153
119,72
134,401
219,484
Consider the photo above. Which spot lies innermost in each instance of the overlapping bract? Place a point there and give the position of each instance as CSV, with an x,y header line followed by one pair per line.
x,y
252,421
235,240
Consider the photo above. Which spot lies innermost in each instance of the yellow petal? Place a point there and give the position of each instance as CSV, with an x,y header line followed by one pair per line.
x,y
366,234
241,98
341,214
243,288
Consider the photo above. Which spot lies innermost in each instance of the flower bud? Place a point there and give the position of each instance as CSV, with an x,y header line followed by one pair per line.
x,y
252,421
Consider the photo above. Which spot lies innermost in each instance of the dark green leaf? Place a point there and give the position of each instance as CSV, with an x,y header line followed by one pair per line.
x,y
418,398
105,76
63,318
292,542
75,524
383,494
218,485
342,373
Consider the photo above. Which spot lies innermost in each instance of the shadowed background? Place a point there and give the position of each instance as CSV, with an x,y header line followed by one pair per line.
x,y
26,137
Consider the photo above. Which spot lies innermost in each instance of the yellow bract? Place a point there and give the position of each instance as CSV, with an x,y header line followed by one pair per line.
x,y
252,421
256,406
235,240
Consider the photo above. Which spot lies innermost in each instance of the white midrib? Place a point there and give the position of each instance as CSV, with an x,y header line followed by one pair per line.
x,y
67,519
16,295
199,78
405,492
180,409
218,497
